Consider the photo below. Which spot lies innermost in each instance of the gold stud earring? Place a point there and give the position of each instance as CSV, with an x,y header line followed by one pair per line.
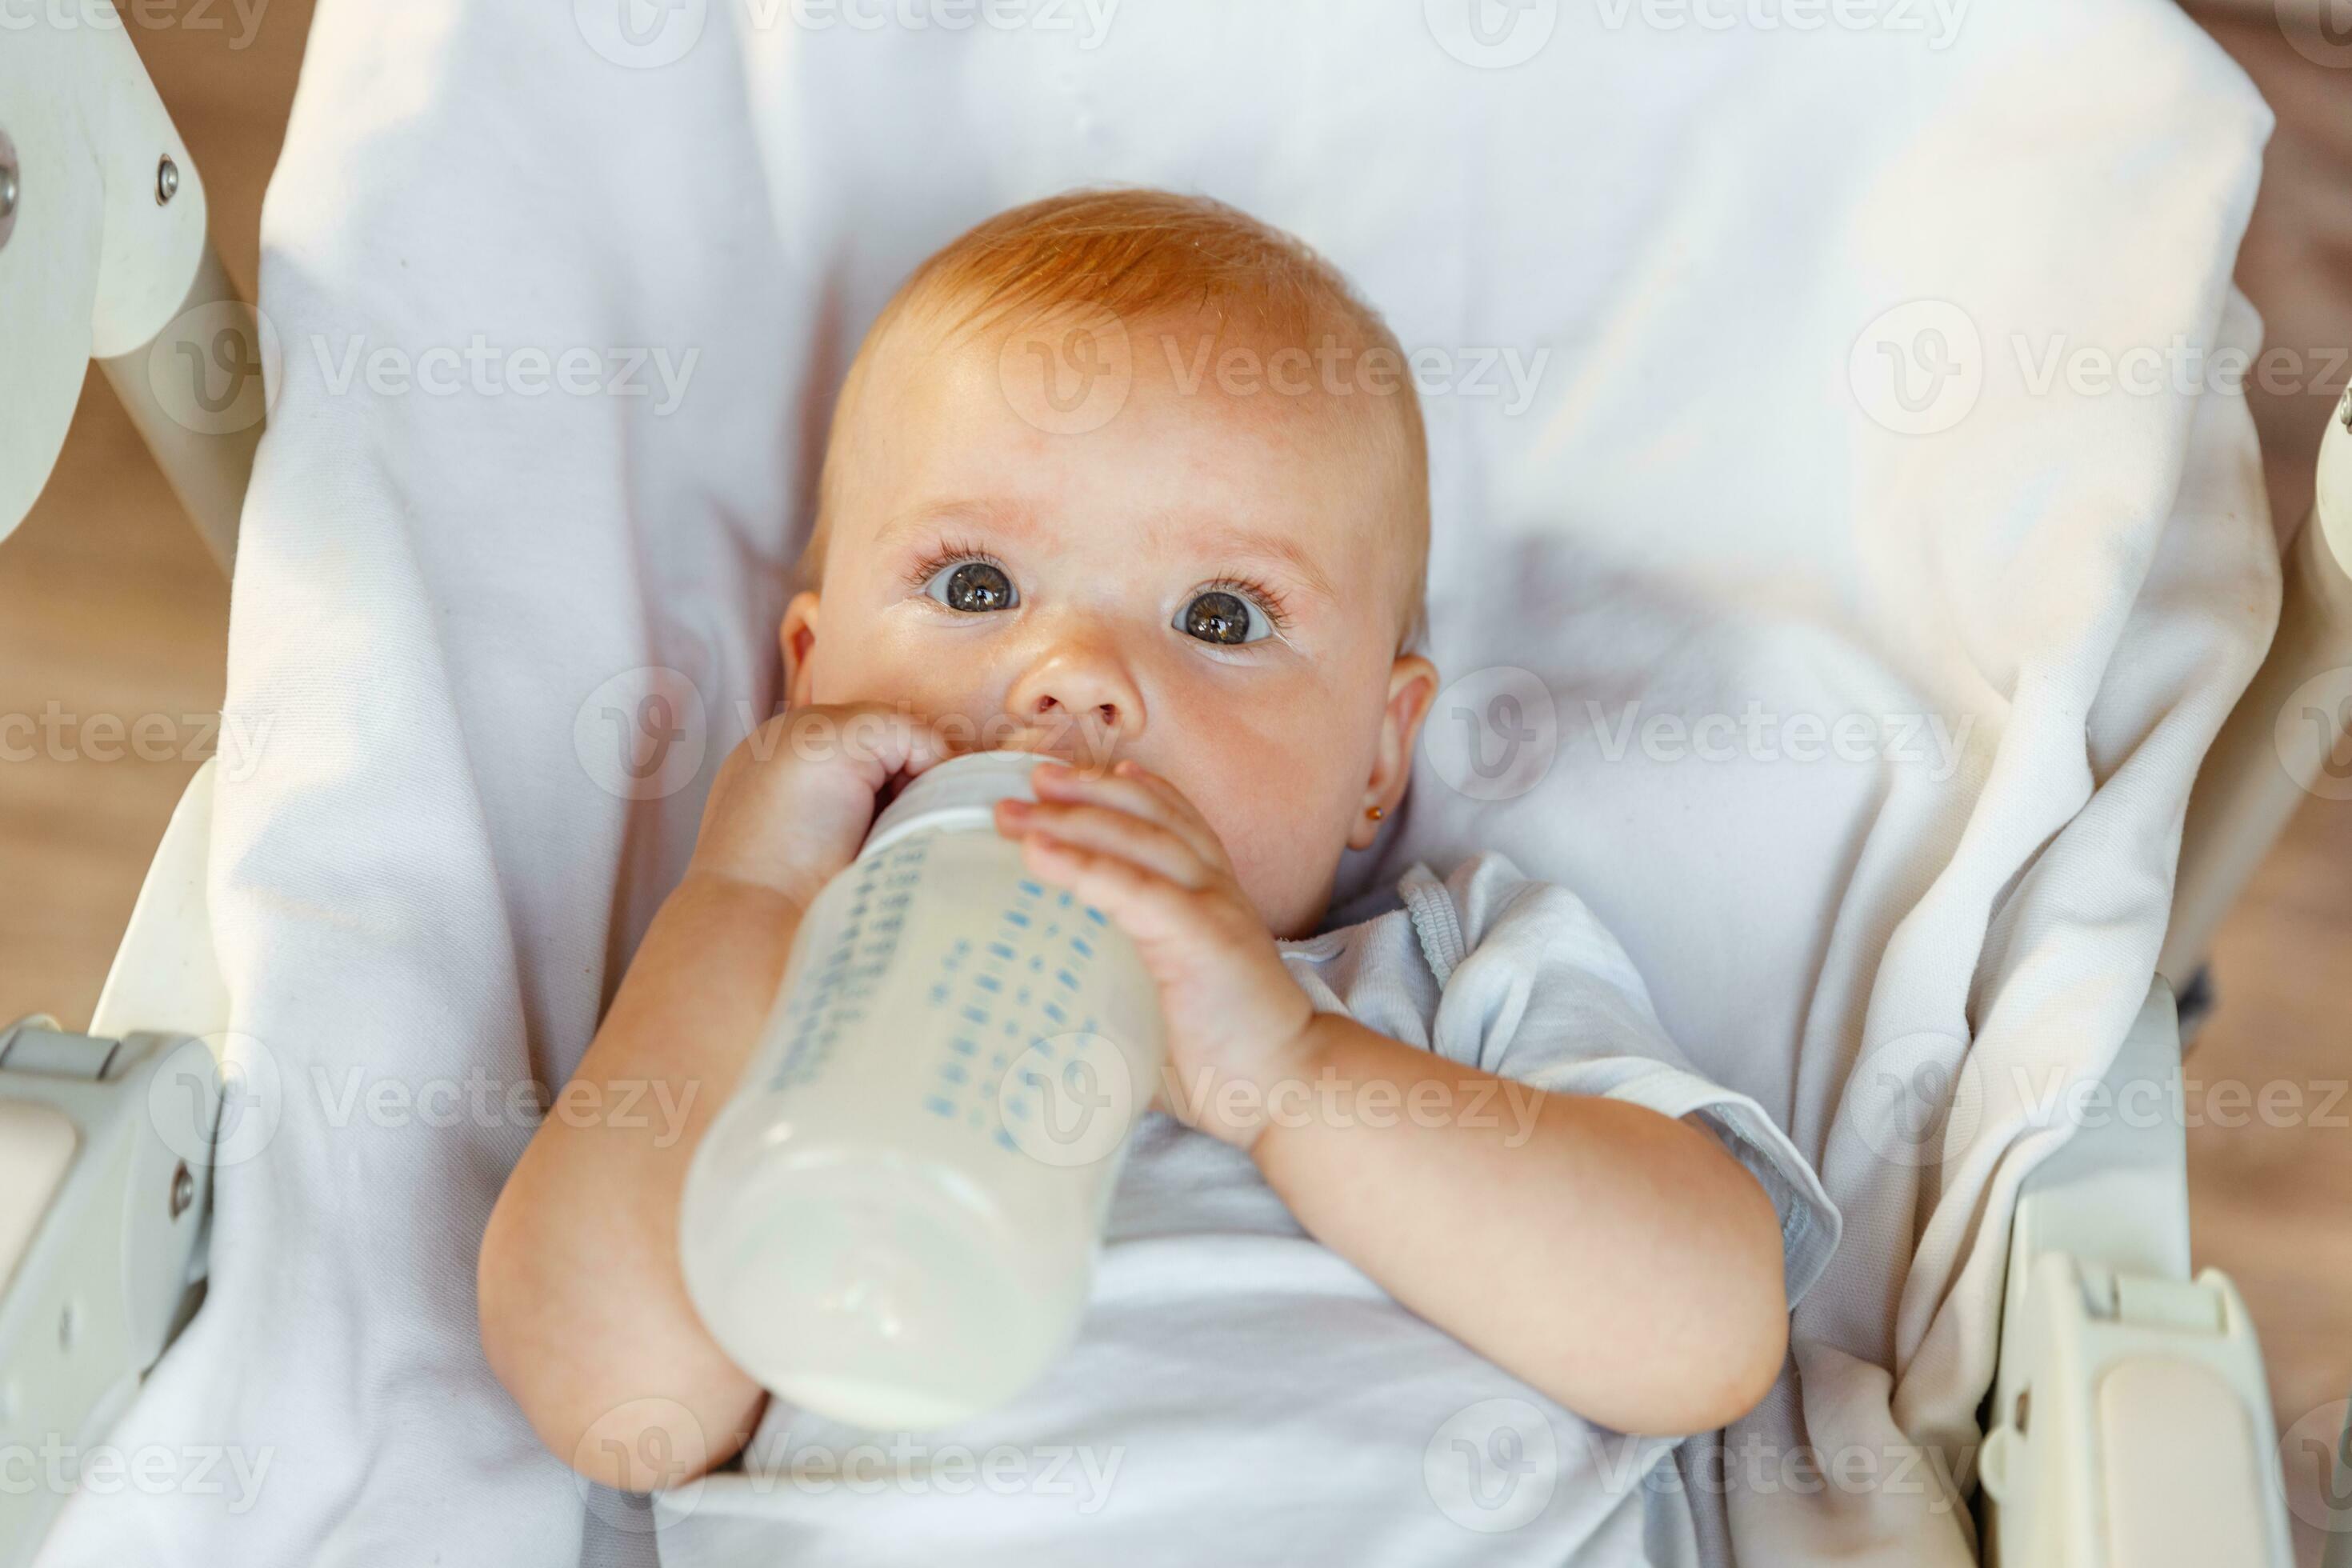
x,y
1375,813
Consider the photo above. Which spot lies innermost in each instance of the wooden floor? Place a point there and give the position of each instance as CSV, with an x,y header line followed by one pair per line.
x,y
110,612
2271,1204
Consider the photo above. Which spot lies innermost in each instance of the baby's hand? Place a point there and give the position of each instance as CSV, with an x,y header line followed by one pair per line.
x,y
1129,843
793,803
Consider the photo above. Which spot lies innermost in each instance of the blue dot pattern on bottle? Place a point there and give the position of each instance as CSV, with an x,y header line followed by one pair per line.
x,y
977,985
968,987
840,983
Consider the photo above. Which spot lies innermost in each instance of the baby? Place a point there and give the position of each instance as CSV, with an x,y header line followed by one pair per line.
x,y
1429,1213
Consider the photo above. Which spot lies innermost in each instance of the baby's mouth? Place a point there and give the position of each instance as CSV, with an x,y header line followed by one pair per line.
x,y
1088,750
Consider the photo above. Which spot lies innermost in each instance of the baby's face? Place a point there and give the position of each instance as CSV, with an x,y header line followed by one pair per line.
x,y
1209,585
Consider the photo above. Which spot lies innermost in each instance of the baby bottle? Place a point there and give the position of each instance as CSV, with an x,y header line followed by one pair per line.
x,y
893,1223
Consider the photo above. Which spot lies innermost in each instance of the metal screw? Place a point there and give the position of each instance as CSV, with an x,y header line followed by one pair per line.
x,y
9,187
2024,1410
183,1190
167,180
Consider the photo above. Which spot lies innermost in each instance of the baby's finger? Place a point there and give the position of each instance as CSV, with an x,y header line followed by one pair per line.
x,y
882,741
1139,794
1148,907
1110,831
1180,804
1058,781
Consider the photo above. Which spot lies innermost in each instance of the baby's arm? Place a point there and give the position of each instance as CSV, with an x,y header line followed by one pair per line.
x,y
584,1313
1619,1260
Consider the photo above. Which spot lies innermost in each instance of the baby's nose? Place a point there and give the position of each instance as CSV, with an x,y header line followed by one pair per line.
x,y
1080,695
1104,713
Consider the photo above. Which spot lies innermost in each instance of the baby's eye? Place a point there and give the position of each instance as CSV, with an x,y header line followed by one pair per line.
x,y
973,586
1222,616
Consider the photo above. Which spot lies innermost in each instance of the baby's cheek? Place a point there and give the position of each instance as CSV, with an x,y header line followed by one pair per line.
x,y
1283,855
872,670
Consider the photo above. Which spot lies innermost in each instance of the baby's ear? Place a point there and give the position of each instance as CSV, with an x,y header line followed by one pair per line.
x,y
1412,687
797,640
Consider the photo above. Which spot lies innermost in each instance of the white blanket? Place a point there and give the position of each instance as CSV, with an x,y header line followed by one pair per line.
x,y
1820,616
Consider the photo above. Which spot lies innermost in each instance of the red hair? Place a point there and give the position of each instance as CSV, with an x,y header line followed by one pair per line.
x,y
1146,255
